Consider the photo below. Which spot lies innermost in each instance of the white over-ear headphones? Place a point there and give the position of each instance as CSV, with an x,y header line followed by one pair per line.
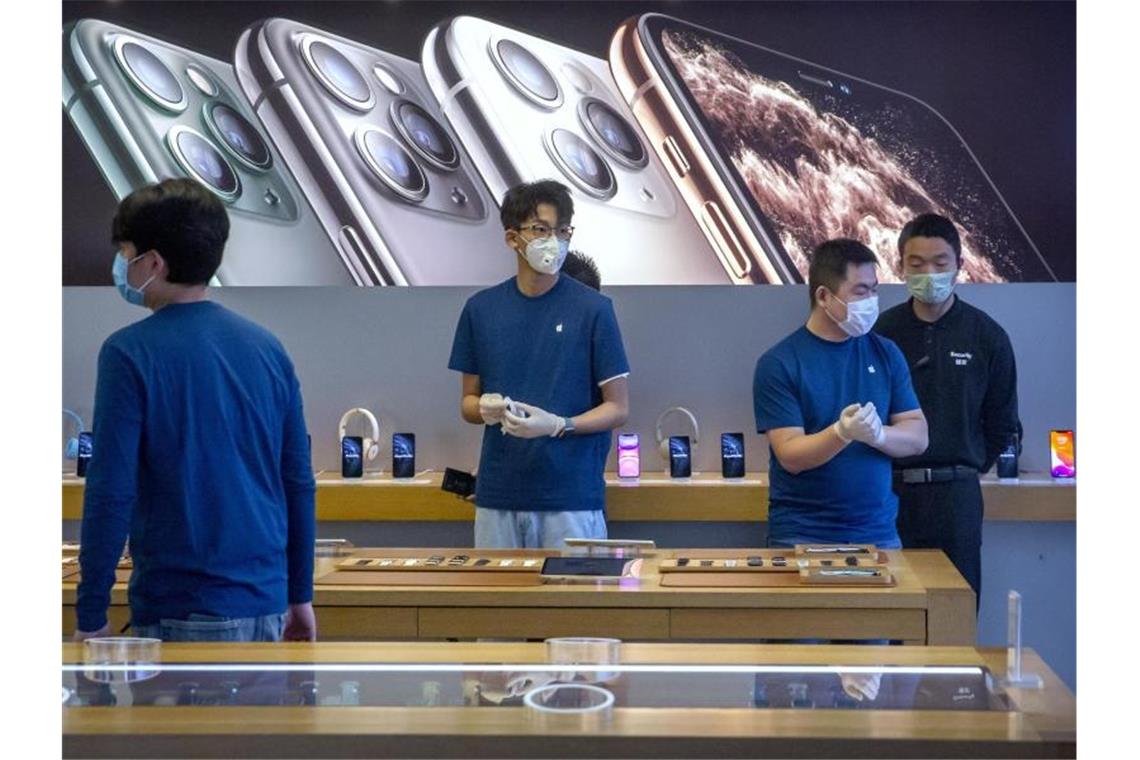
x,y
71,450
663,440
371,443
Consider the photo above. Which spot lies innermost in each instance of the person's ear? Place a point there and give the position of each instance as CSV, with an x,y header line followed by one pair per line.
x,y
159,265
819,293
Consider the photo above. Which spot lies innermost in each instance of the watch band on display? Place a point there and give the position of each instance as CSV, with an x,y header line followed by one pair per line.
x,y
567,428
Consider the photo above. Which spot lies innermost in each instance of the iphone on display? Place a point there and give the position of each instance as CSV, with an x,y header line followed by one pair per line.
x,y
763,147
732,455
391,185
352,456
680,465
83,457
147,110
403,455
629,455
1063,460
529,109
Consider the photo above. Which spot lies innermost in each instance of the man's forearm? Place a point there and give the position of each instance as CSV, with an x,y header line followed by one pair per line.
x,y
469,409
906,438
806,452
301,544
103,533
607,415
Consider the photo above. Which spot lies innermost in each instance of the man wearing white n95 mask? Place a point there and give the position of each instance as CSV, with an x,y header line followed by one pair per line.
x,y
822,395
544,370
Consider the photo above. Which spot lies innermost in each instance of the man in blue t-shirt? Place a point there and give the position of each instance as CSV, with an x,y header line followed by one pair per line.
x,y
200,450
821,395
545,371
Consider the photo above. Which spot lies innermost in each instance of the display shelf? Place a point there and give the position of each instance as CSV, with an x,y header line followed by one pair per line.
x,y
706,497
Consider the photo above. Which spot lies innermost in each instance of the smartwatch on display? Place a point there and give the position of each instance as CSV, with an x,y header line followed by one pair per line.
x,y
567,428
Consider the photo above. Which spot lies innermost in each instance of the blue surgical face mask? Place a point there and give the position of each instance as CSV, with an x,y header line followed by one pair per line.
x,y
130,294
931,288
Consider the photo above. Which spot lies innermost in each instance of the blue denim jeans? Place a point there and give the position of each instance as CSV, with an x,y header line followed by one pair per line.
x,y
511,529
211,628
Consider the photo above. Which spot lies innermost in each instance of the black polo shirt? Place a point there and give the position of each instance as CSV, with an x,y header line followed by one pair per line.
x,y
964,373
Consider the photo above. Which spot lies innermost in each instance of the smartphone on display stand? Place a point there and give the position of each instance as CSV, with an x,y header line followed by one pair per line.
x,y
1062,454
1007,467
147,110
754,137
83,457
403,455
528,109
680,465
352,456
629,455
387,178
732,455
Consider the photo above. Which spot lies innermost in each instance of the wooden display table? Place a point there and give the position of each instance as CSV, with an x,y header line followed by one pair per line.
x,y
929,604
1040,723
655,497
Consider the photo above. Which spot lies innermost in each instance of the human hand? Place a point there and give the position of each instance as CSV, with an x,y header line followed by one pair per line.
x,y
860,423
492,406
527,421
300,623
861,685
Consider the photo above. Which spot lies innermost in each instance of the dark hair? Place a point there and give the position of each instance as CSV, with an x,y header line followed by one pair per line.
x,y
583,269
829,263
521,202
182,220
932,226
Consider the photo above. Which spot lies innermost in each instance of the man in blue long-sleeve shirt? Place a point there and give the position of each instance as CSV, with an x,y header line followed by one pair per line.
x,y
202,453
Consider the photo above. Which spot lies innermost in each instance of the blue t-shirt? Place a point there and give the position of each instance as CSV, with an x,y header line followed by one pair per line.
x,y
553,351
806,381
201,453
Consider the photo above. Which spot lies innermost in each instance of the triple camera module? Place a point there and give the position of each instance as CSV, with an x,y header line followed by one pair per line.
x,y
194,151
387,157
574,156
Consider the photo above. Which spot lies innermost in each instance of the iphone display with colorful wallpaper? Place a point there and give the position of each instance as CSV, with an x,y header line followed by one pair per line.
x,y
680,461
1062,454
403,455
352,456
629,455
785,154
83,457
732,455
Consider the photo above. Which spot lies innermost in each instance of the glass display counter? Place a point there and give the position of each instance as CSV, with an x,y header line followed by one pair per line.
x,y
761,687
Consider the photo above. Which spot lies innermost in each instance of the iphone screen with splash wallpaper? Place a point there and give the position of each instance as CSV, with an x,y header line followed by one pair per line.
x,y
813,154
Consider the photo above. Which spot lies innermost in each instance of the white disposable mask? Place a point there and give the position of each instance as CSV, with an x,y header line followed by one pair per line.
x,y
931,288
546,254
861,316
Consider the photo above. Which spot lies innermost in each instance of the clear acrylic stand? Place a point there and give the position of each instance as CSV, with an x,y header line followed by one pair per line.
x,y
1014,678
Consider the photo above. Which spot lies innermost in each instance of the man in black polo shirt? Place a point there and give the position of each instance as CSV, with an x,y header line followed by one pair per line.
x,y
964,373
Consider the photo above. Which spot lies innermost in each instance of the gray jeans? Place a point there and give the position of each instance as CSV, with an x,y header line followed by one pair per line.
x,y
210,628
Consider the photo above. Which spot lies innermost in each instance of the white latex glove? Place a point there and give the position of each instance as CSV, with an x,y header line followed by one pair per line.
x,y
860,685
527,421
492,406
860,423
